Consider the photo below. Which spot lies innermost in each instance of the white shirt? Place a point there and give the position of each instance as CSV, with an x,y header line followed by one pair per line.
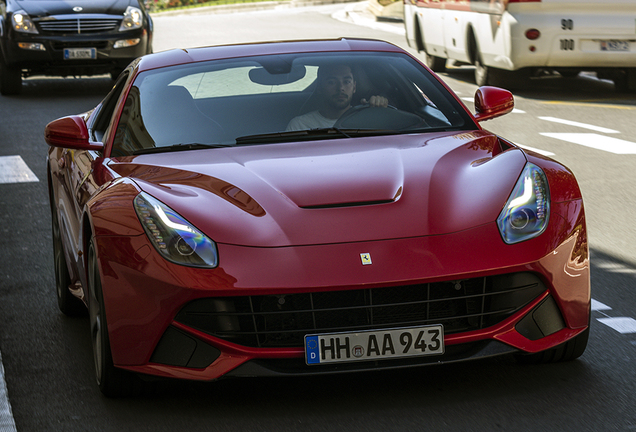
x,y
311,120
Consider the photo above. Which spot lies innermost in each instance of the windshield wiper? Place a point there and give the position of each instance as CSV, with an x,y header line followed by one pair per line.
x,y
309,134
179,147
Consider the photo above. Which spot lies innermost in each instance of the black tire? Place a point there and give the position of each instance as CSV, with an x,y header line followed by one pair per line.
x,y
436,64
67,302
483,73
567,351
10,80
625,81
112,381
490,76
567,73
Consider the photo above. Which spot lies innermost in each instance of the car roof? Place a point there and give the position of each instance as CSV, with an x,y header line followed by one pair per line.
x,y
193,55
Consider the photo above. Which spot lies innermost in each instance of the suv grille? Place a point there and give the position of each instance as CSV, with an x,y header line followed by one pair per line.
x,y
284,320
84,25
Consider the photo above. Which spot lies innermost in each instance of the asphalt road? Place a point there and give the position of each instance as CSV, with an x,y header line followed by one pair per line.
x,y
47,356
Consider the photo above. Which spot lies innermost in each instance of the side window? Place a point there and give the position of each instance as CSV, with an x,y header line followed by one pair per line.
x,y
105,114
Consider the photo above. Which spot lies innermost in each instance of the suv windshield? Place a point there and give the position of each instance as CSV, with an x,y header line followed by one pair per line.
x,y
283,98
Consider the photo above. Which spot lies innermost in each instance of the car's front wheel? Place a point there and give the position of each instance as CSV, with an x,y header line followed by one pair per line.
x,y
67,302
10,79
112,381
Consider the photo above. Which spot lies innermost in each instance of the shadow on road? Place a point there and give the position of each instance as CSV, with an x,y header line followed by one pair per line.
x,y
41,87
583,88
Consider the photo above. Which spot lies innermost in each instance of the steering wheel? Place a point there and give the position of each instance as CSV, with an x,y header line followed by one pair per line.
x,y
365,116
356,109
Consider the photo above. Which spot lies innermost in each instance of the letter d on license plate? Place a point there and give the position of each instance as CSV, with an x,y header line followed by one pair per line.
x,y
374,344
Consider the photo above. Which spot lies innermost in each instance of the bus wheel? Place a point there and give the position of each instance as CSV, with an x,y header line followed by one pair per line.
x,y
483,73
437,64
625,81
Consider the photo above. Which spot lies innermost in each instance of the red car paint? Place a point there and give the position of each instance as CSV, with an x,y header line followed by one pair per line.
x,y
284,221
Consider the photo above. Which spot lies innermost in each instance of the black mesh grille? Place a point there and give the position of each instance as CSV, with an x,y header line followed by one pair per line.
x,y
85,25
284,320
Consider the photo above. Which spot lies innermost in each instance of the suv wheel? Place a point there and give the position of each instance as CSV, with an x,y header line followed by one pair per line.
x,y
10,80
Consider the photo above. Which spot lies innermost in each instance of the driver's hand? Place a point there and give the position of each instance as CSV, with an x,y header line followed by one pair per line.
x,y
376,101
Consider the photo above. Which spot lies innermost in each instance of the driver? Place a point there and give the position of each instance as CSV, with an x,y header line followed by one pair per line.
x,y
335,90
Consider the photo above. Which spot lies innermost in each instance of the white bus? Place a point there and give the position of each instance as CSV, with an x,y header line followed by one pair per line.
x,y
515,38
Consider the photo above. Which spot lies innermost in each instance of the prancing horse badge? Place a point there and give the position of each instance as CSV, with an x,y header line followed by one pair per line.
x,y
366,258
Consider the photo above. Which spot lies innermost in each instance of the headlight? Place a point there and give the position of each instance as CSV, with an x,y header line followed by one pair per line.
x,y
173,236
22,23
132,19
527,211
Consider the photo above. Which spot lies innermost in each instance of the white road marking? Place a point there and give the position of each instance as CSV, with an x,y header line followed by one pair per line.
x,y
595,141
581,125
541,152
623,325
598,306
7,424
14,170
613,267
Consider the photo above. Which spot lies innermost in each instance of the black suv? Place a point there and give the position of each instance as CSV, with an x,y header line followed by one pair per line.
x,y
70,37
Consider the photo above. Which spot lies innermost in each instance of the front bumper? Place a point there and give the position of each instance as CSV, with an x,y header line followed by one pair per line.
x,y
46,53
144,295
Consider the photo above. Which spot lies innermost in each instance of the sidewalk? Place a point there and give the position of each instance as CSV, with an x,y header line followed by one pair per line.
x,y
366,13
247,7
362,14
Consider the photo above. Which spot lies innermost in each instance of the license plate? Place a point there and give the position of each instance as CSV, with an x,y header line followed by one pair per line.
x,y
80,53
614,45
374,344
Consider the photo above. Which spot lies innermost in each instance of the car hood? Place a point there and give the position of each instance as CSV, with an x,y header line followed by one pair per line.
x,y
323,192
44,8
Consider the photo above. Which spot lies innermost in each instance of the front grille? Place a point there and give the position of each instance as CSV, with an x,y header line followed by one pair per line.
x,y
283,320
84,25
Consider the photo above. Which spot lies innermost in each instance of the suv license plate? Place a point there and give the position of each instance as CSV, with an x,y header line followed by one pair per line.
x,y
80,53
614,45
374,344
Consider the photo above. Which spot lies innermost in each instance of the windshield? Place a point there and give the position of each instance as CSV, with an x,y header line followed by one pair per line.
x,y
283,98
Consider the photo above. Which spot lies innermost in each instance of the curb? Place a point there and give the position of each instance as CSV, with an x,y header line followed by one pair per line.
x,y
393,12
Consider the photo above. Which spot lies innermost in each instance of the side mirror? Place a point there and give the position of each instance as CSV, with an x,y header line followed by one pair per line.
x,y
70,132
491,102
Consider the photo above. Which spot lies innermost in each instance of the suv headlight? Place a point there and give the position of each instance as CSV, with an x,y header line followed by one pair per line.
x,y
173,236
527,211
22,23
133,19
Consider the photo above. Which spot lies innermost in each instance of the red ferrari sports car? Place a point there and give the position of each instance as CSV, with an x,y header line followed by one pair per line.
x,y
308,207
